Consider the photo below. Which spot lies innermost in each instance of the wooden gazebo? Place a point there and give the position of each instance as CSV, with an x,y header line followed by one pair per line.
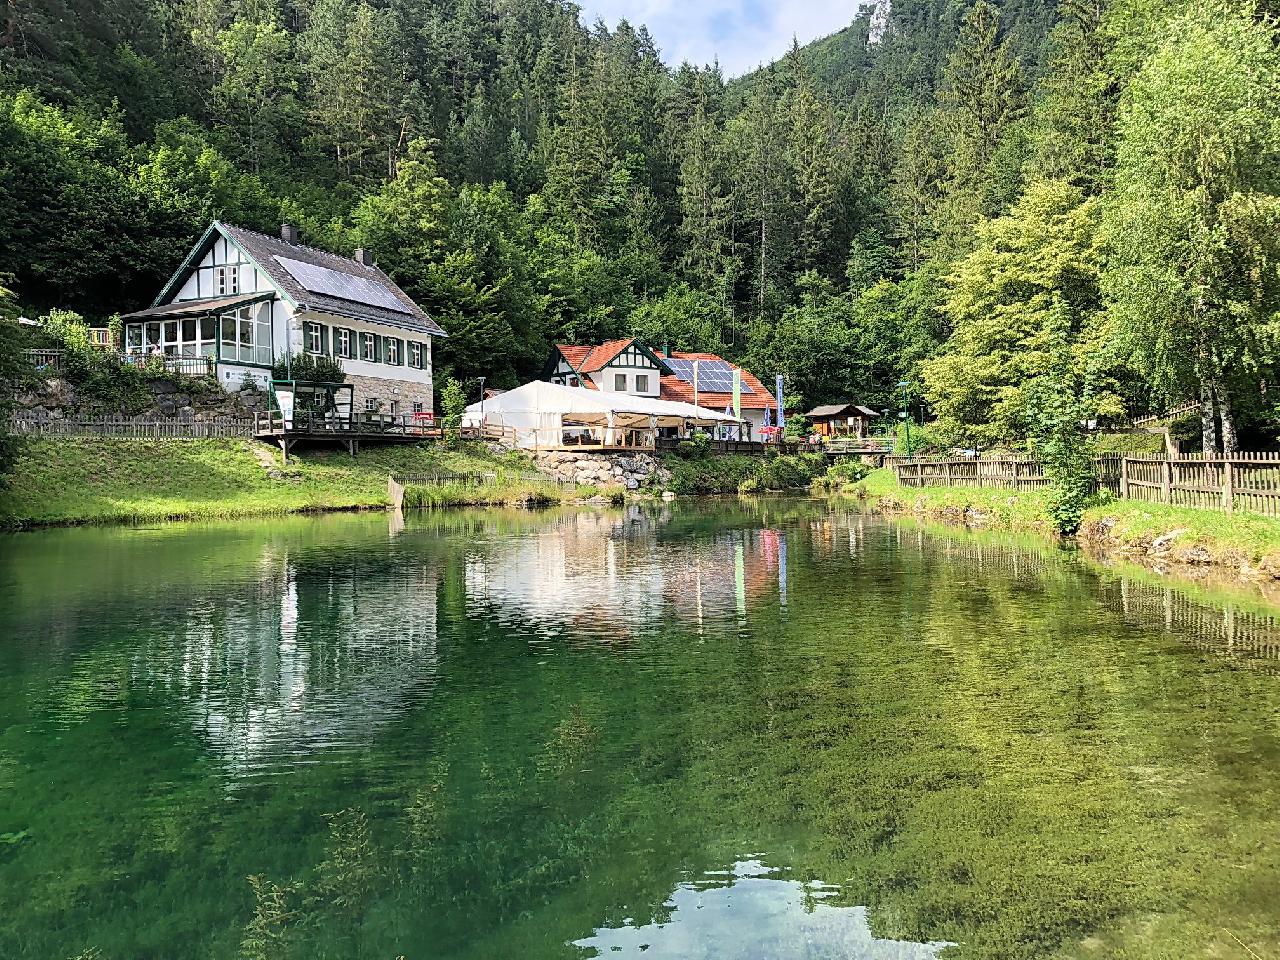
x,y
842,420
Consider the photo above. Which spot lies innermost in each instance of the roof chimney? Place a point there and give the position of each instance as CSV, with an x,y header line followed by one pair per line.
x,y
364,256
289,232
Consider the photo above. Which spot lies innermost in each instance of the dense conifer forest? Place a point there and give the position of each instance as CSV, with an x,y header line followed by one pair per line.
x,y
1033,212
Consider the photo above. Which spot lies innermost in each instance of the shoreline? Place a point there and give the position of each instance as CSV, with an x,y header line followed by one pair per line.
x,y
1178,542
97,482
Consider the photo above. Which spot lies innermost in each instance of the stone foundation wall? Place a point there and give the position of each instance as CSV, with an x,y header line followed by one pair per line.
x,y
56,399
385,391
628,470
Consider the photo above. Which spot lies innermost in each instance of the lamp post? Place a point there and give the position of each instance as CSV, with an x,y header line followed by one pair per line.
x,y
904,416
482,401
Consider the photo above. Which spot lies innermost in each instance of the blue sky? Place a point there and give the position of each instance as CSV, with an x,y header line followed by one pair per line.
x,y
742,33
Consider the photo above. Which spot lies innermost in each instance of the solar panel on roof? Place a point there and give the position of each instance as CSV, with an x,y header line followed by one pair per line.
x,y
714,376
344,286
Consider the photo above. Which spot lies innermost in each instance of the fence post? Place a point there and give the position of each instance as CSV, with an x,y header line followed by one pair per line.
x,y
1124,478
948,466
1228,486
1166,482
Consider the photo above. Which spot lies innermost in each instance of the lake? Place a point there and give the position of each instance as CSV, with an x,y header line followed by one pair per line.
x,y
773,729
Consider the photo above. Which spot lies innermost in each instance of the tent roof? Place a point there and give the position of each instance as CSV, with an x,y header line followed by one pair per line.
x,y
836,409
595,406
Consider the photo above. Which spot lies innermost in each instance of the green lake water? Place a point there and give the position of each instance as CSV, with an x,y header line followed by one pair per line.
x,y
738,731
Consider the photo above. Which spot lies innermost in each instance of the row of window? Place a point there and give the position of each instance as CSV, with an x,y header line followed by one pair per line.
x,y
371,405
642,382
361,345
245,336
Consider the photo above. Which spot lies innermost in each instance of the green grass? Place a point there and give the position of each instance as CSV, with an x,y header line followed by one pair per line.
x,y
1136,523
103,481
1126,524
1006,508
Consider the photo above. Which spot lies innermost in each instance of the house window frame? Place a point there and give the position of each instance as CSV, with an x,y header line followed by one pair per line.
x,y
415,355
345,345
620,378
642,383
371,404
226,279
368,347
313,338
391,349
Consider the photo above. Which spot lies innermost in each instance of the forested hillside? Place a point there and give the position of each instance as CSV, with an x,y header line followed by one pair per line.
x,y
1033,212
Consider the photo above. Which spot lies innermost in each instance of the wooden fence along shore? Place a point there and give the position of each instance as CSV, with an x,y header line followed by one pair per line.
x,y
1250,481
128,428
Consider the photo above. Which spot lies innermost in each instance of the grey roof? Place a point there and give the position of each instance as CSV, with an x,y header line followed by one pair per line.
x,y
265,249
196,308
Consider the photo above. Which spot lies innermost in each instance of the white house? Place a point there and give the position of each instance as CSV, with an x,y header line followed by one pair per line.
x,y
628,366
243,300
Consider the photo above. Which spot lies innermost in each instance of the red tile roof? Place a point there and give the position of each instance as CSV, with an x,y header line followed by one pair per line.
x,y
673,388
587,359
575,355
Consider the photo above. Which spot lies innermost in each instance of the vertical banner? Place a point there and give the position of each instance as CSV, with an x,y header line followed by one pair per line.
x,y
777,396
737,392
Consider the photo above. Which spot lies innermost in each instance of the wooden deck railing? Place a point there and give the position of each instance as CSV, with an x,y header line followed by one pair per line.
x,y
757,447
1250,481
50,360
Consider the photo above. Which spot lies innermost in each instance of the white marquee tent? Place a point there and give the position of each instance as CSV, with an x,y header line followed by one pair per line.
x,y
544,414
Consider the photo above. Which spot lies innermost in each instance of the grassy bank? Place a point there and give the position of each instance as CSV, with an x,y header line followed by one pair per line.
x,y
1244,542
101,481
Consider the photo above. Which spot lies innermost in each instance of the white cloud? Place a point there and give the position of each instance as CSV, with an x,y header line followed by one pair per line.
x,y
742,33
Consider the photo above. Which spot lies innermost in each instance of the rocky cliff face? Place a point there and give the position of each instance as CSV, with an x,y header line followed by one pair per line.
x,y
629,470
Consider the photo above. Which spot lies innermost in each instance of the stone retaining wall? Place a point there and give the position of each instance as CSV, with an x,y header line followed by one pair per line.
x,y
54,399
628,470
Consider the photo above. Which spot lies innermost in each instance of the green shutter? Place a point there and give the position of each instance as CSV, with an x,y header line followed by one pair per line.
x,y
379,349
400,352
333,334
324,339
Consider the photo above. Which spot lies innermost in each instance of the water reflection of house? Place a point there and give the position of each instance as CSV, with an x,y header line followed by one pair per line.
x,y
610,576
301,661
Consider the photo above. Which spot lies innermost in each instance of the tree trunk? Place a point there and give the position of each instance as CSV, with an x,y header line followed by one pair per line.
x,y
1230,442
1208,429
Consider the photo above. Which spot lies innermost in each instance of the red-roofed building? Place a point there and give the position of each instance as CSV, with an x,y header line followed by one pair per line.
x,y
628,366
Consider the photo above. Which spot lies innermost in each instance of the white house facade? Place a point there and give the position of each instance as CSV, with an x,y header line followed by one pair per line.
x,y
244,300
628,366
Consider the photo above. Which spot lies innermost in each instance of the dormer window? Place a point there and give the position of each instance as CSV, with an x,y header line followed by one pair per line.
x,y
226,280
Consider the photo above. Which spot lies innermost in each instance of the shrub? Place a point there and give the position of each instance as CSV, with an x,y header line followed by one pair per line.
x,y
736,473
453,403
841,475
309,368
